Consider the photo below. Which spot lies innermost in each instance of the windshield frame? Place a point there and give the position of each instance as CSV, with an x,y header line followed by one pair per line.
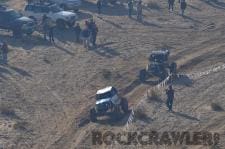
x,y
104,95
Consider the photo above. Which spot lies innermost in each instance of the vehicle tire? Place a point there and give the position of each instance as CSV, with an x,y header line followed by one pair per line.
x,y
124,105
71,24
17,33
164,74
61,24
34,19
142,75
93,115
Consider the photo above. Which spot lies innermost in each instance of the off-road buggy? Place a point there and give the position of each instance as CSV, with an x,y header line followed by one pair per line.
x,y
158,66
108,100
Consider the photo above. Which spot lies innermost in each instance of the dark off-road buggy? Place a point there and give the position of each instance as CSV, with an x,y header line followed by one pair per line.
x,y
158,66
107,100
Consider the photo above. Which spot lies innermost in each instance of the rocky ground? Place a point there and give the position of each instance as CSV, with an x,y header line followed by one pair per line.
x,y
47,90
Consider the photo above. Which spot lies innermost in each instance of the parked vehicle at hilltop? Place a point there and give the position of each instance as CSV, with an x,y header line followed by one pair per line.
x,y
15,22
58,16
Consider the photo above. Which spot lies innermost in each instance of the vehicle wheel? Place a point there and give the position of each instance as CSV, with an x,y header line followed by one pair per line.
x,y
17,33
61,24
142,75
124,105
34,19
70,24
93,115
164,74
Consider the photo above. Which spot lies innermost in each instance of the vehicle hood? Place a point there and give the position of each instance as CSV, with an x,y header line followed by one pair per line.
x,y
103,100
66,13
25,19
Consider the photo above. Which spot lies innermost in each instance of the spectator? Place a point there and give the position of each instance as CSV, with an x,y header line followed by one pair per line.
x,y
130,8
139,11
99,6
85,33
77,31
4,51
94,32
183,6
51,34
170,97
45,25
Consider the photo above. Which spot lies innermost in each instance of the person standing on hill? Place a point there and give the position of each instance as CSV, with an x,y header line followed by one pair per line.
x,y
77,32
94,32
85,34
183,6
170,98
4,49
139,11
99,6
45,25
130,8
51,34
171,4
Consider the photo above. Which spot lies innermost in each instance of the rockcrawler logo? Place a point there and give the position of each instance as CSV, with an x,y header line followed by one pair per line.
x,y
156,138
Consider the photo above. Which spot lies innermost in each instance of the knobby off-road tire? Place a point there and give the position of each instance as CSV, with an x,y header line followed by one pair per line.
x,y
124,105
142,75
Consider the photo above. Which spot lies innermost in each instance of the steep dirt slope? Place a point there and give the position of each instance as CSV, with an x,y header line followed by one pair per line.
x,y
50,88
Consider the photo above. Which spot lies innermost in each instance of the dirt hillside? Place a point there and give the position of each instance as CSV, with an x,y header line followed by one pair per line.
x,y
46,91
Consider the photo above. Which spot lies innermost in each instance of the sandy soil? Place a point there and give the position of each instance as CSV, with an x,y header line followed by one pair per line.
x,y
49,89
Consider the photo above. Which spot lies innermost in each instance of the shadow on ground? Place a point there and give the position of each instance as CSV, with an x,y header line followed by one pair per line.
x,y
186,116
215,3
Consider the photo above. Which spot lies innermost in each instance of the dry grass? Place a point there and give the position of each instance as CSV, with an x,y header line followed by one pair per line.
x,y
106,74
140,114
153,95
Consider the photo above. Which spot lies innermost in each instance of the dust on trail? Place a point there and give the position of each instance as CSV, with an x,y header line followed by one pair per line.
x,y
52,88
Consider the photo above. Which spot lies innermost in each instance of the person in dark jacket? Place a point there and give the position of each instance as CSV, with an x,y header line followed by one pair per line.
x,y
171,4
183,6
99,6
85,33
77,32
130,8
170,97
45,25
51,34
94,32
4,49
139,11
